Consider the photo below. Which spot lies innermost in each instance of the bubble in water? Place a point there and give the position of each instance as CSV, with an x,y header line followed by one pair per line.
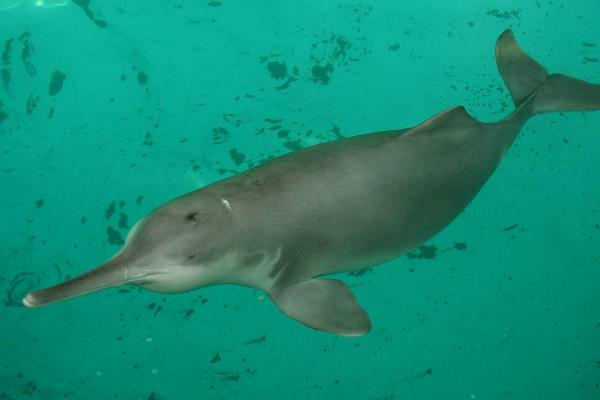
x,y
10,4
51,3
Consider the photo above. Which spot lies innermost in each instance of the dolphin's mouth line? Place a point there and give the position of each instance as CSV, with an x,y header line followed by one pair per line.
x,y
144,279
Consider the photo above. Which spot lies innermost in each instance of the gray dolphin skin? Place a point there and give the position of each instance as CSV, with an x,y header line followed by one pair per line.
x,y
330,208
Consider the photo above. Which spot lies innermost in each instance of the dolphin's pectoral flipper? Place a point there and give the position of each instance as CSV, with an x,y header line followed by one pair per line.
x,y
323,304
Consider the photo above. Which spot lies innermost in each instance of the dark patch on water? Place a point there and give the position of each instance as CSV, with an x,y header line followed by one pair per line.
x,y
231,119
257,340
214,3
418,376
157,308
3,114
6,58
220,135
336,51
123,224
215,359
56,82
195,167
110,210
237,157
142,78
58,272
588,44
427,252
155,396
19,286
460,246
39,203
394,47
50,113
139,199
590,60
32,102
188,314
510,228
277,69
26,53
85,6
342,45
293,145
320,74
289,80
232,377
148,139
336,131
226,171
30,388
114,237
504,14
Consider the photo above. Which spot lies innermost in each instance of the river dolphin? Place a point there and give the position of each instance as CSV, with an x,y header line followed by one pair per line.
x,y
330,208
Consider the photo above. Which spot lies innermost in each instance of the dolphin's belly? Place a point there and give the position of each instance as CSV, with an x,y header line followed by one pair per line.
x,y
343,207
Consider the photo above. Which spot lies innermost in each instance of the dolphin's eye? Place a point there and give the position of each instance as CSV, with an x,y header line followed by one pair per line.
x,y
193,216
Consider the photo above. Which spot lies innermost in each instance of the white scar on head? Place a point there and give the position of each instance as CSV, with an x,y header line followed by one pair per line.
x,y
226,204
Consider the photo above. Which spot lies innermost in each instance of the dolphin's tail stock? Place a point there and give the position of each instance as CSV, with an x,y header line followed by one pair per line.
x,y
529,82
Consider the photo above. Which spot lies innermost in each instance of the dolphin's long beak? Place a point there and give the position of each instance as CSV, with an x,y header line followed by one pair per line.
x,y
110,274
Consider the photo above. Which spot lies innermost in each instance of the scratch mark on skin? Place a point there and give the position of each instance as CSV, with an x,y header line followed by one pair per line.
x,y
226,204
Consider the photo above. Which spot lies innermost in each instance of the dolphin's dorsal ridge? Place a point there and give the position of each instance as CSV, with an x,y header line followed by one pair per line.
x,y
323,304
455,117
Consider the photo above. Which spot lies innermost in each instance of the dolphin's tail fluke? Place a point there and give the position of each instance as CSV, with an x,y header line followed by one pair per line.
x,y
526,78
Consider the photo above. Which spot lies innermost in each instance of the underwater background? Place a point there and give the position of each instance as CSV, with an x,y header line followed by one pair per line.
x,y
110,108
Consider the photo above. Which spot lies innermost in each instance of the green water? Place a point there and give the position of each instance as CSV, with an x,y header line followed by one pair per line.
x,y
109,109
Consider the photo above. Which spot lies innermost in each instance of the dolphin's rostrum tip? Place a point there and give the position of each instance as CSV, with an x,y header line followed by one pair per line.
x,y
28,301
